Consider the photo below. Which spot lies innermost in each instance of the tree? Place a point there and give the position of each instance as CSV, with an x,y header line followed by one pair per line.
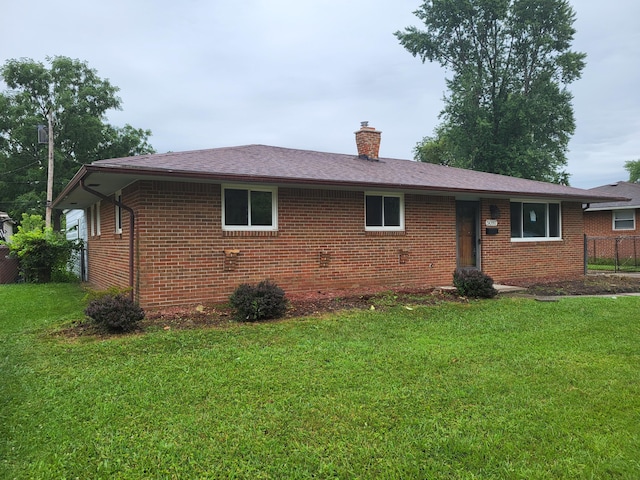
x,y
79,100
508,109
633,167
436,150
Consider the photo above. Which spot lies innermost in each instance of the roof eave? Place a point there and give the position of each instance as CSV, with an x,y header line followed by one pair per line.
x,y
153,173
612,207
71,186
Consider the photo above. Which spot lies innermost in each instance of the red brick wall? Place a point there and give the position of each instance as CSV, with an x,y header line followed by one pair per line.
x,y
605,243
320,245
508,261
600,224
108,253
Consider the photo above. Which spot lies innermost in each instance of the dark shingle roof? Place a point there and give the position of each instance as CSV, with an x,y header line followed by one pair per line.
x,y
286,166
261,162
619,189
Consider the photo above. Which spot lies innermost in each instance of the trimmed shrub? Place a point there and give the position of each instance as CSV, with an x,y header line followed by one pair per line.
x,y
42,253
117,313
258,302
473,283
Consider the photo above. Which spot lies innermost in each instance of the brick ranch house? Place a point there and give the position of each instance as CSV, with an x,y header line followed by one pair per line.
x,y
189,227
615,218
612,227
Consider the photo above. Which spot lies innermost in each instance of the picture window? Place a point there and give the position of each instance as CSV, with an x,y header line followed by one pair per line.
x,y
535,221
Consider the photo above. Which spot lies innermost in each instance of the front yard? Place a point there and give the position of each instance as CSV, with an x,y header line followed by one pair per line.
x,y
506,388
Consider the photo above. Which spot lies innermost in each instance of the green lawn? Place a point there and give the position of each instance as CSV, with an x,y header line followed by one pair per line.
x,y
507,388
612,268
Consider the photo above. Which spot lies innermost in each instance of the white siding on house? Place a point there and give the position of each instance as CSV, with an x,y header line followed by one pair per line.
x,y
76,221
6,227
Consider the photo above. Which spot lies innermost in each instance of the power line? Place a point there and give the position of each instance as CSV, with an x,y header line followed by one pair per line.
x,y
21,168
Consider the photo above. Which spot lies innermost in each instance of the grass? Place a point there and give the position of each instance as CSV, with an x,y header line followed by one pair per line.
x,y
627,264
508,388
612,268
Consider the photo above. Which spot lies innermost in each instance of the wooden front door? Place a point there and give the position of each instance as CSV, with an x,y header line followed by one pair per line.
x,y
467,227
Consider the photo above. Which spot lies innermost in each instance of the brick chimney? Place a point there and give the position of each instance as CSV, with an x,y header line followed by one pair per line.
x,y
368,142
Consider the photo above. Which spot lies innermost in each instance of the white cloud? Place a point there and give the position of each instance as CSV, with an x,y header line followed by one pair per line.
x,y
203,74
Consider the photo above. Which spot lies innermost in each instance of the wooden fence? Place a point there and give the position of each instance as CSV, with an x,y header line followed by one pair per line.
x,y
8,266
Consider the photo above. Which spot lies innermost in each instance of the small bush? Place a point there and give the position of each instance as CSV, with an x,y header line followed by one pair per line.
x,y
117,313
42,253
260,302
64,276
473,283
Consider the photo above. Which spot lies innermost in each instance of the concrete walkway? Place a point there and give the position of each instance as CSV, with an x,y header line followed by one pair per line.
x,y
498,287
602,273
508,288
521,291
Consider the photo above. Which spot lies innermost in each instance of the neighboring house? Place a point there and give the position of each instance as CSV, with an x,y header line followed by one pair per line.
x,y
6,226
614,219
76,223
612,227
189,227
8,265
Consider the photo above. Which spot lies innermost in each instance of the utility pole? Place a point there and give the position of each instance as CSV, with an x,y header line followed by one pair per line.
x,y
49,170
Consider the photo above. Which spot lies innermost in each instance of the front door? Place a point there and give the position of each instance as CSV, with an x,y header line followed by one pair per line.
x,y
467,214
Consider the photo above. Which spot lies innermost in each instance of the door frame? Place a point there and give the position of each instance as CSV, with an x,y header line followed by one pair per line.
x,y
477,247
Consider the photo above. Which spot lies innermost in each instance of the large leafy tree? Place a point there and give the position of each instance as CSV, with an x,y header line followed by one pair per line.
x,y
508,109
78,99
633,167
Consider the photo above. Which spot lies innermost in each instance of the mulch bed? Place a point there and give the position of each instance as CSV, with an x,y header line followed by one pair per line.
x,y
598,284
319,303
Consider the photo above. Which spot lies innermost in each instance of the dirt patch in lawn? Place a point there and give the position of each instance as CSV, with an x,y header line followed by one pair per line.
x,y
321,303
315,304
599,284
222,316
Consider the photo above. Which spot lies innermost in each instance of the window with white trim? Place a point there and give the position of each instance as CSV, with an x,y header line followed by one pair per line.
x,y
249,208
97,219
91,212
93,215
624,219
535,221
118,198
384,211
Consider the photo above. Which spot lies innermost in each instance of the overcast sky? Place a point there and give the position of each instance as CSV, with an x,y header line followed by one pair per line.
x,y
303,74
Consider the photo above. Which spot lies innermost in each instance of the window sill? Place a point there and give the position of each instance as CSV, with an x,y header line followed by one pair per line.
x,y
385,233
536,239
250,233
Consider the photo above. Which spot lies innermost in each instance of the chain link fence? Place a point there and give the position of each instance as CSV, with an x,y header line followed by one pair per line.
x,y
619,254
